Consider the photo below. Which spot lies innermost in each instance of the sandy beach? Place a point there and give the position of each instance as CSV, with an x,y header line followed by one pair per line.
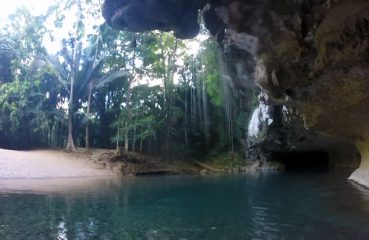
x,y
41,164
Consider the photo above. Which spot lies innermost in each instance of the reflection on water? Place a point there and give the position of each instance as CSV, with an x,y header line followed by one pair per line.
x,y
58,185
62,231
259,206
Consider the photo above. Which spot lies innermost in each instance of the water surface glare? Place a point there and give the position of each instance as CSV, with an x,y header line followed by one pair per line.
x,y
257,206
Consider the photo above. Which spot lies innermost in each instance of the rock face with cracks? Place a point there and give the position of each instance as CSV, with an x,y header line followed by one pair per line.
x,y
309,55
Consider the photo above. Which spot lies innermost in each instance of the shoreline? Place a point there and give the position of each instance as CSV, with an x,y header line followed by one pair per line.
x,y
47,164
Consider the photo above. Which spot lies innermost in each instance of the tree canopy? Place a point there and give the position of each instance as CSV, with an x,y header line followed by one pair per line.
x,y
144,92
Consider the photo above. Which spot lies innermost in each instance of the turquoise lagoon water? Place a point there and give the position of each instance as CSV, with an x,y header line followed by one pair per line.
x,y
257,206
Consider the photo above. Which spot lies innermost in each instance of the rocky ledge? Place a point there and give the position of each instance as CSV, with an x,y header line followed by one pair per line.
x,y
307,55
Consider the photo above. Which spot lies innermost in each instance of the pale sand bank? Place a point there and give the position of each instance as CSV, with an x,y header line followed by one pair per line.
x,y
46,164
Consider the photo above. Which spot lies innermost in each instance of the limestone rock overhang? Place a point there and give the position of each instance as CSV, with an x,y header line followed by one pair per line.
x,y
179,16
309,54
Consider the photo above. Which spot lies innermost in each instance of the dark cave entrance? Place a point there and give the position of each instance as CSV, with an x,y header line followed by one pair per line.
x,y
303,160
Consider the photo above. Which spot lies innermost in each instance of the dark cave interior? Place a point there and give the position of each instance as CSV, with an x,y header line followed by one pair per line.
x,y
303,160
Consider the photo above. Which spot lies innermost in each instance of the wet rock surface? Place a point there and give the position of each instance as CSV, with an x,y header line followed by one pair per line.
x,y
309,55
279,131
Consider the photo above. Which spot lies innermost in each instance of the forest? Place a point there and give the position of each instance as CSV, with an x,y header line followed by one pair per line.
x,y
67,80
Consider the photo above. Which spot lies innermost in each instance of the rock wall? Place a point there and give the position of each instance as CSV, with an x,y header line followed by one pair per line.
x,y
312,56
308,55
276,130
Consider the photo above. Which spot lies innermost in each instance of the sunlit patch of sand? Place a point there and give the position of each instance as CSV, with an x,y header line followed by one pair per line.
x,y
43,164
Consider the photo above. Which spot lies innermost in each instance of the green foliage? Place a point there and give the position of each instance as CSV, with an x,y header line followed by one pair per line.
x,y
7,54
28,113
141,90
210,60
214,89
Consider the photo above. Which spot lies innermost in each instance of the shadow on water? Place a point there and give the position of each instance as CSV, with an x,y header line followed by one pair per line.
x,y
256,206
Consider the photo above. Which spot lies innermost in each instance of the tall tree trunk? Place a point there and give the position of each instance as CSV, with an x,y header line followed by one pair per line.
x,y
87,137
70,143
128,100
199,102
118,136
50,134
126,143
229,120
58,136
192,112
194,105
141,142
206,113
170,68
134,137
73,75
169,129
186,117
150,146
118,132
128,118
